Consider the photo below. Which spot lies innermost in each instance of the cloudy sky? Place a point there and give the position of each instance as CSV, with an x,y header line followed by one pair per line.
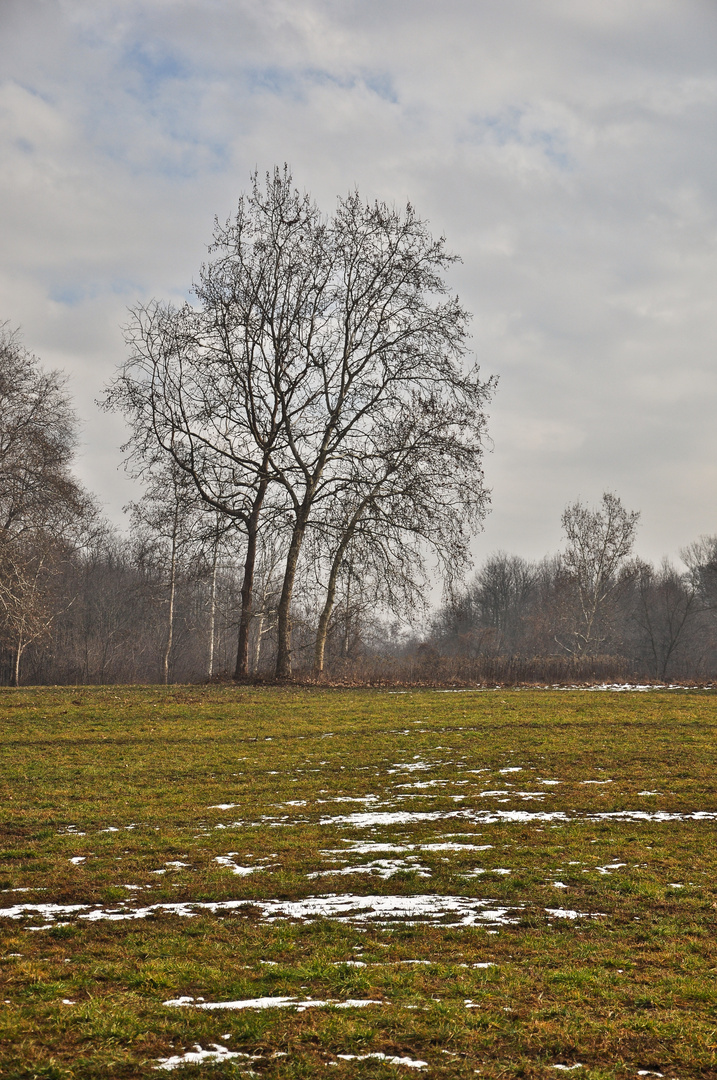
x,y
566,148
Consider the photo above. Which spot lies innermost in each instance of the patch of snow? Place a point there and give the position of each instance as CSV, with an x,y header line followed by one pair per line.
x,y
567,1068
385,868
455,847
223,806
49,911
423,784
410,1063
512,768
367,848
566,913
411,766
228,862
197,1056
406,817
271,1003
77,859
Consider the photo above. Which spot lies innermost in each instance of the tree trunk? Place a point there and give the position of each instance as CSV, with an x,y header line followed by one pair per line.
x,y
283,654
241,670
257,643
16,663
172,587
212,613
323,627
347,624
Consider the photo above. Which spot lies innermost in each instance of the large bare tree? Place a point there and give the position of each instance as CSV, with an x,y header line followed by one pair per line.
x,y
311,337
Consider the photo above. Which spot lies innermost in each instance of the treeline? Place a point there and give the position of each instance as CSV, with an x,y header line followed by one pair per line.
x,y
82,603
116,611
520,622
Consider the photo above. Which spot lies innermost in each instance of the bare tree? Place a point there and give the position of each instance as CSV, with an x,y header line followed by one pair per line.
x,y
171,519
385,339
418,493
311,336
700,557
598,544
42,507
666,606
210,385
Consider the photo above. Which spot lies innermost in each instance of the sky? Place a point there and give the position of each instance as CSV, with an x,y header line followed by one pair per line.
x,y
567,149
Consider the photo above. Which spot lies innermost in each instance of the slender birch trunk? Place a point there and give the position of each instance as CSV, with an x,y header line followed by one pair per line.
x,y
16,664
257,644
212,611
172,589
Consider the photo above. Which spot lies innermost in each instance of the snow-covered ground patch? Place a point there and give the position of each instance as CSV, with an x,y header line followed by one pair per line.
x,y
227,861
384,868
271,1003
197,1056
408,1062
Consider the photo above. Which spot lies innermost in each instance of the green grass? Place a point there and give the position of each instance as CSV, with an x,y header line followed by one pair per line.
x,y
627,985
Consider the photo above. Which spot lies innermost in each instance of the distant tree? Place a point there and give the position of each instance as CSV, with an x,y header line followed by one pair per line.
x,y
665,611
178,533
42,506
598,545
494,614
700,557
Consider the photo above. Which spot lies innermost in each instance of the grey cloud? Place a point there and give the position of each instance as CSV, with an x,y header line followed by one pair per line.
x,y
565,148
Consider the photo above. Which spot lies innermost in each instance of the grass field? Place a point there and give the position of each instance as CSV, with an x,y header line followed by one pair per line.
x,y
502,883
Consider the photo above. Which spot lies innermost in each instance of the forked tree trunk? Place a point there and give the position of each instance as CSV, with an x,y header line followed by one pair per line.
x,y
325,617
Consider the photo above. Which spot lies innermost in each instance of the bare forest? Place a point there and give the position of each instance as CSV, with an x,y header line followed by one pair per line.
x,y
309,437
